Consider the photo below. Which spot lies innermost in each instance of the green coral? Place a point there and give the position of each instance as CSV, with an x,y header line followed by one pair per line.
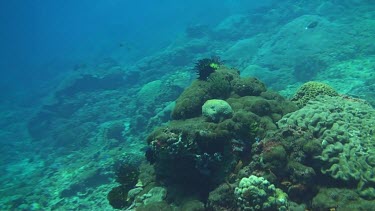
x,y
216,110
256,193
345,132
310,91
345,199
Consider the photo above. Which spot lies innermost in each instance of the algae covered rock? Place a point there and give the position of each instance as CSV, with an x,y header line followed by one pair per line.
x,y
275,158
190,102
222,198
149,92
257,193
310,91
220,82
217,85
248,86
216,110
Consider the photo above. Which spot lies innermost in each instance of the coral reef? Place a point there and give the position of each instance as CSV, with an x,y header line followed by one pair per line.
x,y
198,152
216,110
337,199
310,91
345,134
256,193
103,112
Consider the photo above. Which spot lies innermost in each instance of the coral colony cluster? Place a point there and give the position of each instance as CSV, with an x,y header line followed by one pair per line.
x,y
234,145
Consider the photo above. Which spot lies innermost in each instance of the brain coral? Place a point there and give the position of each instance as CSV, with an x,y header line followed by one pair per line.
x,y
311,90
346,133
216,110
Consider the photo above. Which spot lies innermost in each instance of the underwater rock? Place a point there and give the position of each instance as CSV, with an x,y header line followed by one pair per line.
x,y
234,27
193,205
149,92
218,86
222,198
190,102
307,68
292,43
275,158
216,110
89,83
164,206
248,86
197,30
112,131
220,83
156,194
117,197
247,46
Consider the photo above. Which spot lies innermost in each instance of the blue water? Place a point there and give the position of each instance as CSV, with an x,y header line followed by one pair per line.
x,y
42,38
83,83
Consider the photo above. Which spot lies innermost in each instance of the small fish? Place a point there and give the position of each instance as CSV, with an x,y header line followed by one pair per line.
x,y
312,25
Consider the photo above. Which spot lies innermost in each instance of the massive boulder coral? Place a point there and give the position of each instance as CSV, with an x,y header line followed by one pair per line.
x,y
345,131
310,91
216,110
